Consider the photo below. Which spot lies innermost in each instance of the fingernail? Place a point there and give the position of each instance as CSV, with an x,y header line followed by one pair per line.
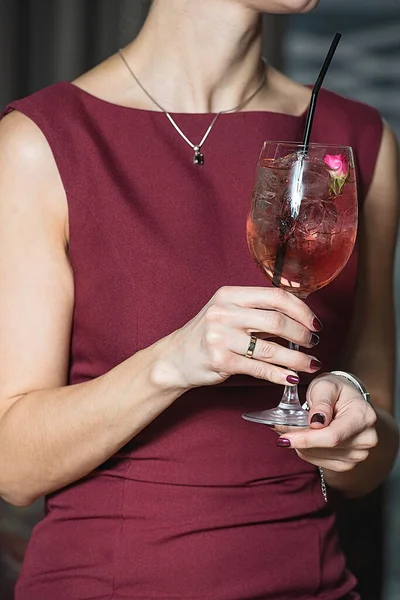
x,y
314,339
315,364
318,418
317,324
283,442
292,379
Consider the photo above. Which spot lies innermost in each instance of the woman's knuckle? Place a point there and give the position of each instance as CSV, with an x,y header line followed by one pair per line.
x,y
299,362
305,443
304,336
306,313
274,321
217,358
267,350
212,337
223,294
215,313
296,362
329,387
280,295
260,371
334,439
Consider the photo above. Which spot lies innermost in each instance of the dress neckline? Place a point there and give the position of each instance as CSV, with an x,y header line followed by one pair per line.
x,y
111,105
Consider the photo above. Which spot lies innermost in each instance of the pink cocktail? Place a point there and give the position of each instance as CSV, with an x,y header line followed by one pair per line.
x,y
301,230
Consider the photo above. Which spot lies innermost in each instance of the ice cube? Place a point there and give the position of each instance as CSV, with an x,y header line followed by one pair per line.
x,y
329,222
310,216
316,179
317,216
264,203
303,175
268,179
289,161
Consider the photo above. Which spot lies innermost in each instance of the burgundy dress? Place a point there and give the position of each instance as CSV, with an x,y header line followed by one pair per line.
x,y
201,505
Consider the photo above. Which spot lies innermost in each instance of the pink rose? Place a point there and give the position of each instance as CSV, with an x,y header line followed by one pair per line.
x,y
338,164
339,169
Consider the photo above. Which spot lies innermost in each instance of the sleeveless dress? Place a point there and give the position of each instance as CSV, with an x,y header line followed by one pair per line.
x,y
201,505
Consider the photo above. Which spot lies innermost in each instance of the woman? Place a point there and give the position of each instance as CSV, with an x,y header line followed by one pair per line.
x,y
127,288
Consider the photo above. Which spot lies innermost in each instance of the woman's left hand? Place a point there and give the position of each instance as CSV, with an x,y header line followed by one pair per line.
x,y
342,426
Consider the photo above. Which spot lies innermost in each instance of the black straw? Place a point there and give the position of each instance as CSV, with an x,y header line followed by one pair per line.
x,y
281,252
315,91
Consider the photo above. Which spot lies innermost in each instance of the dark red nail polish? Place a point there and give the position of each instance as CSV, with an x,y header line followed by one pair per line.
x,y
292,379
283,442
315,364
318,418
317,324
314,339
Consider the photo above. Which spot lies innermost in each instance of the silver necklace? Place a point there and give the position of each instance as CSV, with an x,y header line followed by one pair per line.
x,y
198,157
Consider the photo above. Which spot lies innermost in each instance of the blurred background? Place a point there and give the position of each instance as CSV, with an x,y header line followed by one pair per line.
x,y
43,41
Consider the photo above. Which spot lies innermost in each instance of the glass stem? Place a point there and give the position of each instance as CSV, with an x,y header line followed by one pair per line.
x,y
290,398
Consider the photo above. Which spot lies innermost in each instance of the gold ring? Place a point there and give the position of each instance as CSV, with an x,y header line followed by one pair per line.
x,y
252,345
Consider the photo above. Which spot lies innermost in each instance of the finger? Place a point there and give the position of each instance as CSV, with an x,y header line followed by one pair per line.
x,y
358,437
268,351
283,429
267,298
272,322
332,436
241,365
322,395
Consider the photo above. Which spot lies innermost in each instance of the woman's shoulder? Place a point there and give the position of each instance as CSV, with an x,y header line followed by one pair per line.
x,y
37,133
30,123
55,99
21,138
28,169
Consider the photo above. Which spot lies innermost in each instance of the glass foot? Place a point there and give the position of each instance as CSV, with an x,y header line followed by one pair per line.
x,y
279,416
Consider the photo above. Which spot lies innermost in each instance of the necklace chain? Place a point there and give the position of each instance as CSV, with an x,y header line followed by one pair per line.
x,y
198,157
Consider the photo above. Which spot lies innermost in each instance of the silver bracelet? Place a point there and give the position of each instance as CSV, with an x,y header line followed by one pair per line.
x,y
358,384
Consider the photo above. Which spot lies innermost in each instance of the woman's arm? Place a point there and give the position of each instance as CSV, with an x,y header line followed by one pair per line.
x,y
356,447
52,434
370,352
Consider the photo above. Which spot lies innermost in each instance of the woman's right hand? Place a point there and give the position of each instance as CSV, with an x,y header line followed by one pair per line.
x,y
213,345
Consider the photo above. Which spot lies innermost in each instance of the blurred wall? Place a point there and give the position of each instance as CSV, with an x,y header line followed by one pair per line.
x,y
366,64
43,41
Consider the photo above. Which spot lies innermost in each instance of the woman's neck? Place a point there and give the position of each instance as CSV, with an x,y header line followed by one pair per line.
x,y
198,55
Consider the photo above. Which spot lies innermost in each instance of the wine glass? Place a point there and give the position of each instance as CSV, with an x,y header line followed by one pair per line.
x,y
301,230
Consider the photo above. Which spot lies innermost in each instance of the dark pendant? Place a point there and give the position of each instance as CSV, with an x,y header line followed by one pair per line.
x,y
198,158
